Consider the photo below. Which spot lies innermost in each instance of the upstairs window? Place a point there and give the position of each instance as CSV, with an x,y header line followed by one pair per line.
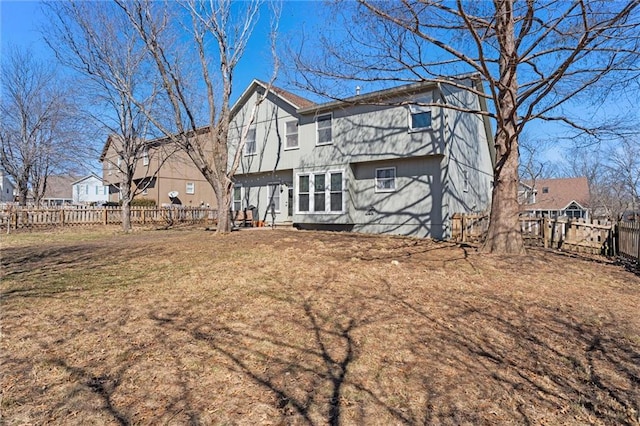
x,y
291,134
191,188
419,117
386,179
250,144
324,130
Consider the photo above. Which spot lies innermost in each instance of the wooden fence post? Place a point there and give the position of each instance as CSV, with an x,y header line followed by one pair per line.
x,y
105,216
62,221
545,232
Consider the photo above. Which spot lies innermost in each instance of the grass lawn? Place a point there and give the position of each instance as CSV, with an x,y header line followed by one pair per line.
x,y
292,327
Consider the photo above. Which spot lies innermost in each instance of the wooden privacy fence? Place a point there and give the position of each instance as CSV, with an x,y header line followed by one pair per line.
x,y
575,235
18,217
628,238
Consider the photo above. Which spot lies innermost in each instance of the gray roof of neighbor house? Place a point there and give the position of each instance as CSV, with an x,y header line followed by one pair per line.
x,y
59,187
557,194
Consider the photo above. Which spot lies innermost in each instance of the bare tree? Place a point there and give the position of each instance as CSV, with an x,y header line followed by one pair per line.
x,y
97,41
535,58
210,23
624,172
533,164
37,133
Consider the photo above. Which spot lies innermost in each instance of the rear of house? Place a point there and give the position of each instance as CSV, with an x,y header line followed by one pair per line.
x,y
394,161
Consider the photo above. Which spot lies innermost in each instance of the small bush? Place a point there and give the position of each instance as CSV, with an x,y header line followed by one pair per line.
x,y
143,202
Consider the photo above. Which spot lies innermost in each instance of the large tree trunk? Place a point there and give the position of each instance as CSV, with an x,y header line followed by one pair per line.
x,y
23,192
223,198
504,228
504,233
126,206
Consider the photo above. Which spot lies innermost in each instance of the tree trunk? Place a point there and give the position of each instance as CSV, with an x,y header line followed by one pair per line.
x,y
23,192
223,198
504,232
126,207
504,227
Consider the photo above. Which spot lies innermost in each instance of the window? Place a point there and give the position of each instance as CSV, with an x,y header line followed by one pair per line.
x,y
323,126
386,179
291,134
320,192
335,193
145,158
303,193
191,188
545,189
250,144
465,181
237,198
420,117
274,197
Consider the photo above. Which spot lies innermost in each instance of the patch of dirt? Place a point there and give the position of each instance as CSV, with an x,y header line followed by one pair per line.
x,y
294,327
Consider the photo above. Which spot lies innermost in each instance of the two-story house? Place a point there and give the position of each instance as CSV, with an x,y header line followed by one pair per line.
x,y
89,190
401,160
162,173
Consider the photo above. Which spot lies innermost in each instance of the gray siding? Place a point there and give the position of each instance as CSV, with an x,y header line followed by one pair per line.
x,y
439,171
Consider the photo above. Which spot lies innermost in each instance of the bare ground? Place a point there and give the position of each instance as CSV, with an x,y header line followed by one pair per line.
x,y
291,327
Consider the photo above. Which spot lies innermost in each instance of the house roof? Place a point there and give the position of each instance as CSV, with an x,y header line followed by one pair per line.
x,y
559,193
92,175
294,100
59,187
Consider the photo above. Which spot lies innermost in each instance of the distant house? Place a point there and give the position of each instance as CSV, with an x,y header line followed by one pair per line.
x,y
159,171
58,191
556,197
89,190
6,188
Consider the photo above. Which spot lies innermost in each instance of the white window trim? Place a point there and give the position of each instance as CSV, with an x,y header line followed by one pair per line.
x,y
411,109
286,134
255,143
145,157
395,178
277,185
318,143
193,186
327,192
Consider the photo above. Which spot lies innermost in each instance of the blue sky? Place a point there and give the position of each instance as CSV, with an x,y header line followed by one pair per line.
x,y
20,21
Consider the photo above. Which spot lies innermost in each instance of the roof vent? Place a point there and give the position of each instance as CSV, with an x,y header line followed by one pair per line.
x,y
357,90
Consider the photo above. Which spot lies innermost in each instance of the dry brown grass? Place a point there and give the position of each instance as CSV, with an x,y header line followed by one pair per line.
x,y
287,327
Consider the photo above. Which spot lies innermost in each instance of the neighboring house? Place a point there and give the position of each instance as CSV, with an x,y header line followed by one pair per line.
x,y
6,188
89,190
556,197
381,162
159,172
58,191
